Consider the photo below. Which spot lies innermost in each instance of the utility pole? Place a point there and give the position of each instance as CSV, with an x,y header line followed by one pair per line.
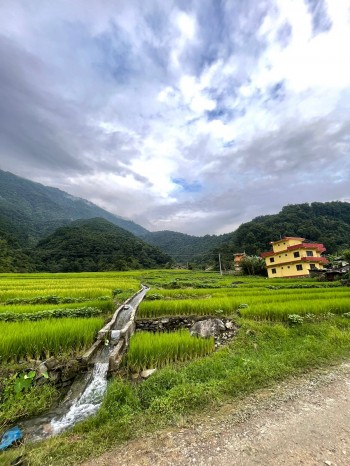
x,y
220,264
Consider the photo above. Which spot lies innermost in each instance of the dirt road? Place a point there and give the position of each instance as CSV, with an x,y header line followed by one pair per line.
x,y
304,421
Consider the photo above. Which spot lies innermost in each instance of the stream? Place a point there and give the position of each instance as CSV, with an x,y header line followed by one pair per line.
x,y
88,390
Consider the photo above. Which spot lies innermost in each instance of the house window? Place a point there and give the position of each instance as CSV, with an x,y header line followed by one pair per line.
x,y
309,253
273,270
299,267
272,259
312,266
297,254
286,255
288,267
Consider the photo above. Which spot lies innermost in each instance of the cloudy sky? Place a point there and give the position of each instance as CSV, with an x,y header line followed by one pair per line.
x,y
188,115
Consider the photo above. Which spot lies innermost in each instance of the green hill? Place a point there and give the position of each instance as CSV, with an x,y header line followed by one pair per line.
x,y
181,247
327,223
95,245
30,211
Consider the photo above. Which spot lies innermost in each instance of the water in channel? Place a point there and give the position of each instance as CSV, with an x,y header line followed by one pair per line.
x,y
89,399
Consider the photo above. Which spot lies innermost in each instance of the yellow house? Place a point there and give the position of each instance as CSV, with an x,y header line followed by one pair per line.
x,y
291,257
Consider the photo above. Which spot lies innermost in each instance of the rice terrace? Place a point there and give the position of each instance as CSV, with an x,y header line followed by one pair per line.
x,y
269,330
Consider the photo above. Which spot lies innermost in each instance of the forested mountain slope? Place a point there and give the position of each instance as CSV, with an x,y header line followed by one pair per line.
x,y
30,211
327,223
96,245
181,247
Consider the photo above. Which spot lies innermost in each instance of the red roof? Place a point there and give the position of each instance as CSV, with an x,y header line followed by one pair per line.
x,y
319,246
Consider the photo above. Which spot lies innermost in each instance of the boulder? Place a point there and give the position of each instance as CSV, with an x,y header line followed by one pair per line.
x,y
207,328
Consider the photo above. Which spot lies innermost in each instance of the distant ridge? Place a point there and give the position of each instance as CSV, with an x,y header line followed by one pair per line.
x,y
30,211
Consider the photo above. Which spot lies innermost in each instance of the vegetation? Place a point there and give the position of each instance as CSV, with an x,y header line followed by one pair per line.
x,y
96,245
30,211
149,350
327,223
42,339
286,328
261,355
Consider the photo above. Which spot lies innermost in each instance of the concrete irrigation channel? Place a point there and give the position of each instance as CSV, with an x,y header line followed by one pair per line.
x,y
86,394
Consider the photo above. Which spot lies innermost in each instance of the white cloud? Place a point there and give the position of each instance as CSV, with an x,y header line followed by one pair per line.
x,y
240,99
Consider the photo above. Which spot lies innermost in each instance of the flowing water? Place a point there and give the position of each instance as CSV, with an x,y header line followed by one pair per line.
x,y
89,399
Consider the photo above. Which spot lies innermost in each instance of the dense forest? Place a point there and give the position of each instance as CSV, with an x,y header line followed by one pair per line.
x,y
96,245
327,223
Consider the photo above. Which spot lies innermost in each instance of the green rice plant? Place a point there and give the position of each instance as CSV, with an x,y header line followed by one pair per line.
x,y
20,340
154,350
280,311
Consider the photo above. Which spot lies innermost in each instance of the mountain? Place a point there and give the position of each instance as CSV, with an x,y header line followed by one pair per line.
x,y
96,245
30,211
184,248
327,223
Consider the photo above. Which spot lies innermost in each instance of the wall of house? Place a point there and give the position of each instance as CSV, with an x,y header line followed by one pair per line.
x,y
291,270
284,263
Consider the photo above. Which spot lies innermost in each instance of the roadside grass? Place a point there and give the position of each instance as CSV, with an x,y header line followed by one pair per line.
x,y
262,354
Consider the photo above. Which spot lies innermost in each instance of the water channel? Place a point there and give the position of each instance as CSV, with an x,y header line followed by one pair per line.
x,y
87,392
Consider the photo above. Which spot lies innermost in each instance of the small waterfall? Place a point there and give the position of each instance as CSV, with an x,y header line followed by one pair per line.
x,y
89,401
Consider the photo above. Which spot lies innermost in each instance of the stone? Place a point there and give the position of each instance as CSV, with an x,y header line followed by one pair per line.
x,y
207,328
229,325
51,363
41,369
147,373
70,371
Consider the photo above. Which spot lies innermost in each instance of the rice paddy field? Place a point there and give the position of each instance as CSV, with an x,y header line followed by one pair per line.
x,y
286,327
57,314
253,298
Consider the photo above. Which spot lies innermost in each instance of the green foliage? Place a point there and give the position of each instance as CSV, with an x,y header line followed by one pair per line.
x,y
20,398
84,312
295,319
327,223
153,350
44,338
96,245
253,265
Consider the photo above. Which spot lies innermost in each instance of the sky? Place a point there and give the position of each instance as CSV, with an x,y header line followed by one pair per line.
x,y
185,115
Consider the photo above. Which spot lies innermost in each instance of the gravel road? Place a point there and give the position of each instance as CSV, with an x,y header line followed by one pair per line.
x,y
305,421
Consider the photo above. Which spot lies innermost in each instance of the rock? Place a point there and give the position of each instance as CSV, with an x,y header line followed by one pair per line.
x,y
135,376
229,325
165,321
70,371
42,369
147,373
207,328
51,363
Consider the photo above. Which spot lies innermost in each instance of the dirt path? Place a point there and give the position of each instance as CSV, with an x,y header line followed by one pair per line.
x,y
305,421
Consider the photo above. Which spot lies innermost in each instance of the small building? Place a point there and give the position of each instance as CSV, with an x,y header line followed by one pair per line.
x,y
291,257
237,259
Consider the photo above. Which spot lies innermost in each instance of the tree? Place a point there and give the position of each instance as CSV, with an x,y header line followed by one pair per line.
x,y
253,265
